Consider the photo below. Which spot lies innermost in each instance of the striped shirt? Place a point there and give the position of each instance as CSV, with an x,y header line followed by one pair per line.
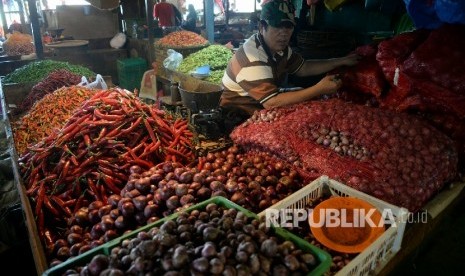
x,y
253,76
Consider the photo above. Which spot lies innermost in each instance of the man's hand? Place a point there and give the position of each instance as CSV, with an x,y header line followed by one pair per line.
x,y
329,84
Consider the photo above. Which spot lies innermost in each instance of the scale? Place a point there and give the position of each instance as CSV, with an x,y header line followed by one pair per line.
x,y
55,33
199,103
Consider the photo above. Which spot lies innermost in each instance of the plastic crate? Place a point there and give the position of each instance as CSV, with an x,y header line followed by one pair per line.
x,y
130,72
374,257
322,256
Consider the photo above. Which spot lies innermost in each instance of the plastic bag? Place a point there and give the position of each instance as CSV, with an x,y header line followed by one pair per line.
x,y
118,41
432,14
451,11
99,83
173,60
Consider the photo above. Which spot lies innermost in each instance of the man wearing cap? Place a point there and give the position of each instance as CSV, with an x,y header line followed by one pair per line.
x,y
258,71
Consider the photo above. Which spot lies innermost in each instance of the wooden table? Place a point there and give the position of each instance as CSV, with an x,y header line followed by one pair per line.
x,y
422,227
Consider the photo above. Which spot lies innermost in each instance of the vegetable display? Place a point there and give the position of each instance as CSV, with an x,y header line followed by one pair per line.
x,y
19,44
88,159
394,157
56,79
252,180
38,124
213,240
181,39
217,56
38,70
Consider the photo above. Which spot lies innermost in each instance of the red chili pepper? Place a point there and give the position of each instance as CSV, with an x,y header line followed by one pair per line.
x,y
152,149
150,130
105,170
142,163
76,186
120,176
115,131
70,127
64,171
34,185
67,150
104,162
110,183
112,102
79,203
132,127
73,159
62,205
136,137
41,223
201,163
50,207
101,134
108,117
176,152
87,161
131,153
177,137
104,198
185,140
70,202
87,141
97,123
32,191
140,145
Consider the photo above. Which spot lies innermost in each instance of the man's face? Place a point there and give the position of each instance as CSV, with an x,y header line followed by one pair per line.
x,y
277,38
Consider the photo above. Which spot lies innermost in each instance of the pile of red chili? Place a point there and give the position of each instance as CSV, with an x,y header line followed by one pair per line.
x,y
55,80
182,39
90,157
38,122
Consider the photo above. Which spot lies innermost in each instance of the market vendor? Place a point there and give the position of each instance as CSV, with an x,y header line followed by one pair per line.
x,y
256,75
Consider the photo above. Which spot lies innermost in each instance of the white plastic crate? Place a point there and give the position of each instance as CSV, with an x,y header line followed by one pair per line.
x,y
373,258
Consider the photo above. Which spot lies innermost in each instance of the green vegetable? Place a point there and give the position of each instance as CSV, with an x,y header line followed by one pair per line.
x,y
217,56
215,76
38,70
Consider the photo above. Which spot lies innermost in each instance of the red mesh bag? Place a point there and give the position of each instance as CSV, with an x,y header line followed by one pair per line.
x,y
393,156
454,128
440,58
398,92
392,52
365,77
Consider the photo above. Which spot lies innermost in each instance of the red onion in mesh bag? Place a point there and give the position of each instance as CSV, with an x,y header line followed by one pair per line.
x,y
398,158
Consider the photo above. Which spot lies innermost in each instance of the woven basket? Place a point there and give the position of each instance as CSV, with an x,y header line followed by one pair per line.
x,y
325,44
161,55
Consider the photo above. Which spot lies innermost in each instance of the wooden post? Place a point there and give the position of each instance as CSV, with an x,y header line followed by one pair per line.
x,y
209,21
34,18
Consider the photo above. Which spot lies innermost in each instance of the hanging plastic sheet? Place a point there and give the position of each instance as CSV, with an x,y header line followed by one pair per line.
x,y
430,14
451,11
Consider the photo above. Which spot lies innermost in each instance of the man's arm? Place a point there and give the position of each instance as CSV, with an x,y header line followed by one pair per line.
x,y
328,85
321,66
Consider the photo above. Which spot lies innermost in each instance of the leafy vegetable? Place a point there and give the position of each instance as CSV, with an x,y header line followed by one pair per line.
x,y
217,56
215,76
38,70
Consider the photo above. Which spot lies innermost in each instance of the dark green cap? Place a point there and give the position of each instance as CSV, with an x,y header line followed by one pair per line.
x,y
275,12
